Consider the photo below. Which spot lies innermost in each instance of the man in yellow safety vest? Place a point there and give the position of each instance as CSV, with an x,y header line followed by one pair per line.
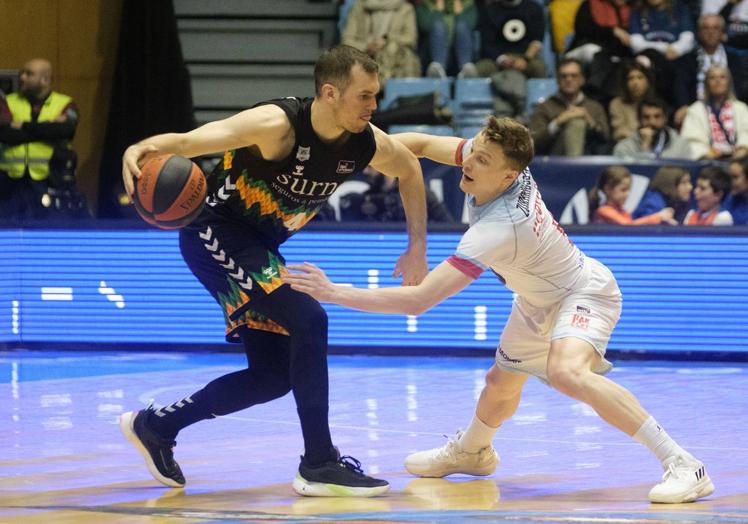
x,y
36,127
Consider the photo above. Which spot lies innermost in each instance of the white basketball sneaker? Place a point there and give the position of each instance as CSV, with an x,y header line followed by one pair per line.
x,y
685,480
450,458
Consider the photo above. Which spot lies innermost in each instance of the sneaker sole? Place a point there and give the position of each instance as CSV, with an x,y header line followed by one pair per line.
x,y
126,426
318,489
439,473
703,488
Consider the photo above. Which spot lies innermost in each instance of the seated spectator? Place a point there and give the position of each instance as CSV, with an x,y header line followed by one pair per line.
x,y
602,44
654,139
569,123
737,202
717,127
636,85
449,25
662,30
609,195
735,15
511,41
37,164
601,25
671,187
712,187
689,85
386,30
382,202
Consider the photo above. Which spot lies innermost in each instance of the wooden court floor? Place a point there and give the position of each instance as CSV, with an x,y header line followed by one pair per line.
x,y
62,459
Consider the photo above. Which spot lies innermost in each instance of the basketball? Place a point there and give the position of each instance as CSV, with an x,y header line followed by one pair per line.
x,y
170,192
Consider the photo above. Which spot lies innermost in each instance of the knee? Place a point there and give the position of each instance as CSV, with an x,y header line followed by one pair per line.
x,y
569,380
575,127
497,386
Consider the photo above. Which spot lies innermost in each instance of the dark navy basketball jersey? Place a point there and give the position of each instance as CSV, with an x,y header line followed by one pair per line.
x,y
275,199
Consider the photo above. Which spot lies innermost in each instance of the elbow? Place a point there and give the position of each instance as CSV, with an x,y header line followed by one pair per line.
x,y
417,306
415,310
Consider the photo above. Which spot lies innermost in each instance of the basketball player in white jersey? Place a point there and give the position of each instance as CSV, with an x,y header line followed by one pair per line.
x,y
565,309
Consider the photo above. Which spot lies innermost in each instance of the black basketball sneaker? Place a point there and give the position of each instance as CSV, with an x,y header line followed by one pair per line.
x,y
341,477
156,450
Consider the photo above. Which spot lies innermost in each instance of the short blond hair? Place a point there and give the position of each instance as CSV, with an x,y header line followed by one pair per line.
x,y
513,138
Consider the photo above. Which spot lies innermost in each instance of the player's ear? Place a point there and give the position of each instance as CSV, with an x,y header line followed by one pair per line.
x,y
328,92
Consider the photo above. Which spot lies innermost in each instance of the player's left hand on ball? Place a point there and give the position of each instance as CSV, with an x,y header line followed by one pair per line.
x,y
412,266
311,280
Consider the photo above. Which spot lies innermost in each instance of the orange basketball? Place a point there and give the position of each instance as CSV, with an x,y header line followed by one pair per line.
x,y
170,192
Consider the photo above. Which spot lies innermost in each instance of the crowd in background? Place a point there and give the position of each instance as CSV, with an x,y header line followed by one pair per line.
x,y
641,80
637,79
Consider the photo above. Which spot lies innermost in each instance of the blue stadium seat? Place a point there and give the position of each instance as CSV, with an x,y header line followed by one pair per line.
x,y
538,90
429,130
416,86
473,101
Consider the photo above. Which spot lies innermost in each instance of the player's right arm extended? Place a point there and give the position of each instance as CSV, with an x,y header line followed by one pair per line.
x,y
437,148
264,126
441,283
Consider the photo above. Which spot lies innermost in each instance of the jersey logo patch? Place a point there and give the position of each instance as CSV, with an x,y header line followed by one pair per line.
x,y
345,167
303,153
580,321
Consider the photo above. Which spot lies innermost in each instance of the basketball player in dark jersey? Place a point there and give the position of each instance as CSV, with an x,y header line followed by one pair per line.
x,y
283,159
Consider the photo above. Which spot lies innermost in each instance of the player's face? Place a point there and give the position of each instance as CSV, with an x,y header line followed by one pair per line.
x,y
738,179
684,187
356,104
706,198
485,171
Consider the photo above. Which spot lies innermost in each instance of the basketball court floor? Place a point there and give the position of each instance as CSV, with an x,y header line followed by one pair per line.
x,y
63,460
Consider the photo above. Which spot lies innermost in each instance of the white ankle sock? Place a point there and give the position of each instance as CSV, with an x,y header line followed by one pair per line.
x,y
477,436
658,441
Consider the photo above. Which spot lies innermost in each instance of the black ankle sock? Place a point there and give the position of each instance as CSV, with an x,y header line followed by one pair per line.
x,y
317,441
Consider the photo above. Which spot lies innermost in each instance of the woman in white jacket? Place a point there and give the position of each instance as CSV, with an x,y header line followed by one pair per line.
x,y
717,126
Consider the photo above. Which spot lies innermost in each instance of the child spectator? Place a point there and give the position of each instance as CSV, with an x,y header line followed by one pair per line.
x,y
670,187
609,195
712,187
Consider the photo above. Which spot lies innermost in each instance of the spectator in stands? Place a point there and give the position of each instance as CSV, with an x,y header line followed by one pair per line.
x,y
601,25
717,127
671,187
662,30
737,202
654,139
602,43
569,123
449,25
382,202
387,31
511,41
636,85
36,160
609,195
712,187
691,74
735,15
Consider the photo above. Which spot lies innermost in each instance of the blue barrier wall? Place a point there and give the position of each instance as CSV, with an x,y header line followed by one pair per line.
x,y
682,292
